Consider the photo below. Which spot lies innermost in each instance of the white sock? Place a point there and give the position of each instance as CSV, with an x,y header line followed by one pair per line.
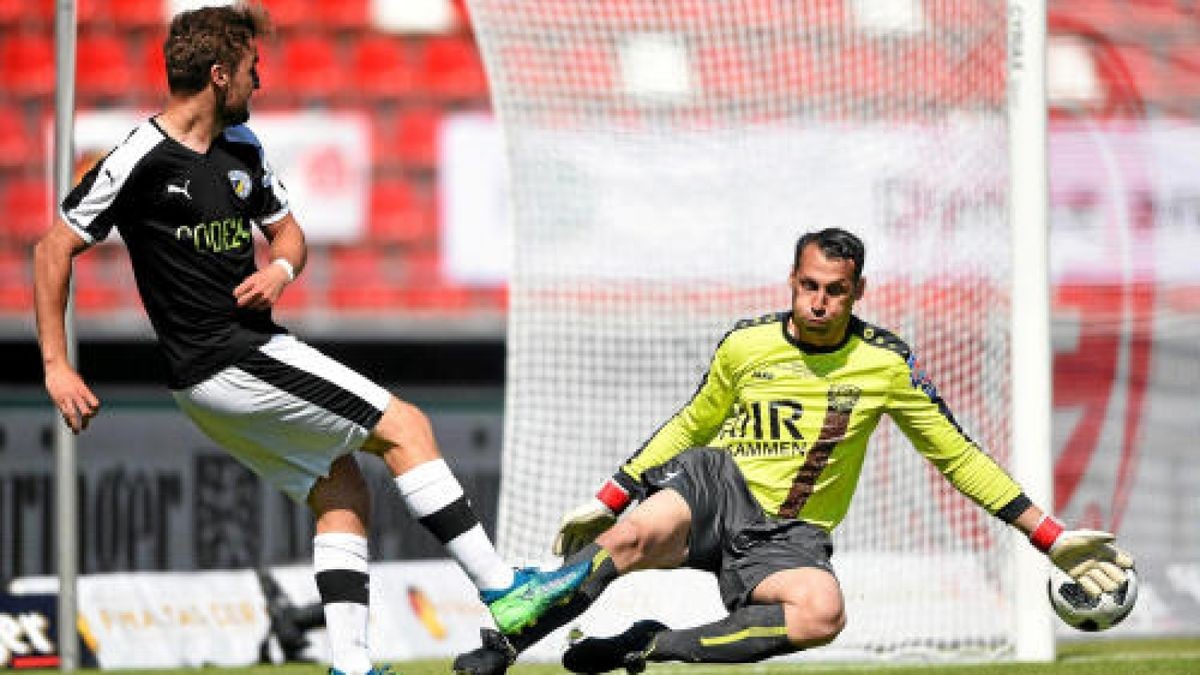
x,y
340,564
435,498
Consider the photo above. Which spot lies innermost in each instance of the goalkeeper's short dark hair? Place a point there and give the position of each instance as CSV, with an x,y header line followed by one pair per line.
x,y
835,243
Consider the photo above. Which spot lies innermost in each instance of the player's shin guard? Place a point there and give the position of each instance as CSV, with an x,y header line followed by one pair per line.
x,y
750,634
603,572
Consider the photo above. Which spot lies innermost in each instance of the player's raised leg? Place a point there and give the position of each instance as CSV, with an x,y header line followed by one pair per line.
x,y
404,439
653,536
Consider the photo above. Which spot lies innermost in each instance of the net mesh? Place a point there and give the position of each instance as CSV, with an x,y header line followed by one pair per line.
x,y
663,158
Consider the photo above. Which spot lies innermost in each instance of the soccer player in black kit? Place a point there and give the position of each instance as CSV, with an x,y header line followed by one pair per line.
x,y
185,190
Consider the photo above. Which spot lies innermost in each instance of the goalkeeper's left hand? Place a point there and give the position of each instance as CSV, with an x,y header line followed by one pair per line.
x,y
1088,556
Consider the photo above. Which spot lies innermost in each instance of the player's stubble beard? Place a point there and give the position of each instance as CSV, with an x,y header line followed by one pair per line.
x,y
231,116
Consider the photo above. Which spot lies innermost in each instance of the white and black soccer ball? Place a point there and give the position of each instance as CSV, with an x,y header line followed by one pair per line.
x,y
1077,610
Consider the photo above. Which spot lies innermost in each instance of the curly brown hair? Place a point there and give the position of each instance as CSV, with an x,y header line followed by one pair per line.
x,y
199,38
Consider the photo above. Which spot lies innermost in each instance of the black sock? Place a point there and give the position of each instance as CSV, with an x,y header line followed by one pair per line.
x,y
603,573
750,634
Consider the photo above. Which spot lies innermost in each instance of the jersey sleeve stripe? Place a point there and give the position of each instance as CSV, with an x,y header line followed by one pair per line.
x,y
88,210
277,216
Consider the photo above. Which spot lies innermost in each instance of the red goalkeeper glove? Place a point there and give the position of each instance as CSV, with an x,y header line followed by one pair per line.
x,y
1088,556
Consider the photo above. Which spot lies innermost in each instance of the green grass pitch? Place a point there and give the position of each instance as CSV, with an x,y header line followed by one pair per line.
x,y
1097,657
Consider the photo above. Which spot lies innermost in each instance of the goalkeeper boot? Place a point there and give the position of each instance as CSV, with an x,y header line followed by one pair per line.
x,y
493,658
627,650
531,594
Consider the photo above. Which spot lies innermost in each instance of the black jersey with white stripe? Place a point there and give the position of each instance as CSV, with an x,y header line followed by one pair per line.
x,y
187,221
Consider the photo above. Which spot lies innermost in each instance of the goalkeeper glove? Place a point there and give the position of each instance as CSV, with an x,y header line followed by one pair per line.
x,y
1088,556
584,523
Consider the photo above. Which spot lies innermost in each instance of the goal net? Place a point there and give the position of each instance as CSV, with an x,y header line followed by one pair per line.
x,y
664,157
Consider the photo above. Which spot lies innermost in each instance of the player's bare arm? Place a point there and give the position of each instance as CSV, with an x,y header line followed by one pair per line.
x,y
289,253
51,278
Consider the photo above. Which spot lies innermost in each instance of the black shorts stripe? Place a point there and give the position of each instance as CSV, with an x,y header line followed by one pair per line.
x,y
451,520
311,388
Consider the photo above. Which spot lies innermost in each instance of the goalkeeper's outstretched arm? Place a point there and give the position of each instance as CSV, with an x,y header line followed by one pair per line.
x,y
1088,556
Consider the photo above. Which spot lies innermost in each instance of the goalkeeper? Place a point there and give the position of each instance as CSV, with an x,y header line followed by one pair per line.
x,y
748,480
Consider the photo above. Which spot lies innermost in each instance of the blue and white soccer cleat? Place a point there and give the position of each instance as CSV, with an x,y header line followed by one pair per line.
x,y
531,594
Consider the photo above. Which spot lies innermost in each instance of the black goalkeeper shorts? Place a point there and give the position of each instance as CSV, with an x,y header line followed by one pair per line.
x,y
731,536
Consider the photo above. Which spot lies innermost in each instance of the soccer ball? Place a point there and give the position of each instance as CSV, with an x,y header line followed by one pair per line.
x,y
1077,610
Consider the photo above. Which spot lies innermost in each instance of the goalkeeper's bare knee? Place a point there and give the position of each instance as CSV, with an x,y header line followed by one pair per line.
x,y
810,625
635,545
812,602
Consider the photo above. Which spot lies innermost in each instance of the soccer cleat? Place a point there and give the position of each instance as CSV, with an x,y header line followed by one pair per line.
x,y
531,594
493,658
627,650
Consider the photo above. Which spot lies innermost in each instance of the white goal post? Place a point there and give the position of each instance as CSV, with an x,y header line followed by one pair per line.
x,y
663,159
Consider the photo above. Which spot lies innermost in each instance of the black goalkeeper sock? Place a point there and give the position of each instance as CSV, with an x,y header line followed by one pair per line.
x,y
602,574
750,634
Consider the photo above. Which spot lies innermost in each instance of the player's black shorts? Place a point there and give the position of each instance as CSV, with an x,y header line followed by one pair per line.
x,y
731,535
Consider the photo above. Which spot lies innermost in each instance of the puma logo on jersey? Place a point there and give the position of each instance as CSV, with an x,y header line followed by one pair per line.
x,y
176,189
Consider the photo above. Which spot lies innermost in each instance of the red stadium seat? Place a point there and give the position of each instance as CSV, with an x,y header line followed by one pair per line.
x,y
462,14
415,137
344,14
310,67
12,12
921,73
426,289
138,14
17,143
42,12
1132,69
26,206
290,14
27,64
861,74
452,69
99,286
963,15
793,70
591,69
987,59
1157,15
103,68
16,282
722,71
150,71
380,67
1184,64
362,278
400,214
821,15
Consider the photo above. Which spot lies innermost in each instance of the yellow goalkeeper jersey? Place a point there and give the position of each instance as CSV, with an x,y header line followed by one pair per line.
x,y
796,419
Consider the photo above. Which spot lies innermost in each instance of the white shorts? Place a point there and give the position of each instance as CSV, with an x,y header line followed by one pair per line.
x,y
287,412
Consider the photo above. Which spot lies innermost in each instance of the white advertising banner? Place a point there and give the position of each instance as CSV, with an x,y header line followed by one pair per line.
x,y
172,619
473,201
323,159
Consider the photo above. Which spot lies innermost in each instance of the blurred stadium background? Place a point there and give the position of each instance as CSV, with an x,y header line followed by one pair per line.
x,y
380,111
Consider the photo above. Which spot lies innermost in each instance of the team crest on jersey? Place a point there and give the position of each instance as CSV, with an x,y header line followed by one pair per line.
x,y
240,180
843,397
